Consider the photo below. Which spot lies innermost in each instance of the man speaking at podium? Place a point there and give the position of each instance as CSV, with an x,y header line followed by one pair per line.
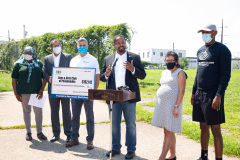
x,y
121,70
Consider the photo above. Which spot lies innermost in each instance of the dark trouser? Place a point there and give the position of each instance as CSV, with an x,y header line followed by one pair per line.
x,y
66,113
76,112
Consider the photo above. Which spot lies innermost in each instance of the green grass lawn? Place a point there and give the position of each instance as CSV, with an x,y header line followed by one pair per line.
x,y
5,82
231,129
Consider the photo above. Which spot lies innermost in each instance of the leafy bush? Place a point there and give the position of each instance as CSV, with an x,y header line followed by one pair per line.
x,y
100,40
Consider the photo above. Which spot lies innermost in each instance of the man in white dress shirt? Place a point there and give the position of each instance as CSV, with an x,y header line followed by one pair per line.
x,y
122,69
57,59
83,59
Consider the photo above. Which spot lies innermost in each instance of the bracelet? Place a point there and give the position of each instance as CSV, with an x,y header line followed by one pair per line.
x,y
176,106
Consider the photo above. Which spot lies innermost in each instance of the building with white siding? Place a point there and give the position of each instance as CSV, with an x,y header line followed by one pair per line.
x,y
157,55
192,62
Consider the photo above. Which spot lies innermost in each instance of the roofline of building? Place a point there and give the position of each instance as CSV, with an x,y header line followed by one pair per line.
x,y
159,48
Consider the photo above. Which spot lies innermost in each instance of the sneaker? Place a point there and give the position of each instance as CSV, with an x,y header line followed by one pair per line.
x,y
29,136
41,136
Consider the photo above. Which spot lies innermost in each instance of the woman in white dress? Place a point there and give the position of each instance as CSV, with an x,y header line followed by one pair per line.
x,y
168,108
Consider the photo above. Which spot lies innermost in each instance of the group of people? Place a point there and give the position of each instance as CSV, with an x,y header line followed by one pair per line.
x,y
123,68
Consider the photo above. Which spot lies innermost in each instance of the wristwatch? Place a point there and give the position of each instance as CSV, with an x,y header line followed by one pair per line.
x,y
218,94
176,106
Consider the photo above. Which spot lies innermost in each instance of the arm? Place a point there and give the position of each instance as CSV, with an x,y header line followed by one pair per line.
x,y
181,85
14,85
15,75
69,60
40,93
97,77
102,76
46,74
139,71
225,71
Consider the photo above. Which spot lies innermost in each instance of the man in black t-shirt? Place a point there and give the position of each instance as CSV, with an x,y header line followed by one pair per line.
x,y
213,75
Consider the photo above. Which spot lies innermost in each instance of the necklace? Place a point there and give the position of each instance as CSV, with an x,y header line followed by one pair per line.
x,y
205,52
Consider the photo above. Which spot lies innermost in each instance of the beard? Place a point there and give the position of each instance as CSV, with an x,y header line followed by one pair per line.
x,y
121,49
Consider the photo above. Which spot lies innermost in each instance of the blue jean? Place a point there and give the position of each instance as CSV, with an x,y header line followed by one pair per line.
x,y
129,111
76,111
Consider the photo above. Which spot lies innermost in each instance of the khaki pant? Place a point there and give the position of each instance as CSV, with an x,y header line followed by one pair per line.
x,y
27,114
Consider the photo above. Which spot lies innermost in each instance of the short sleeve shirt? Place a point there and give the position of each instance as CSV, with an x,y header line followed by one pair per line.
x,y
88,61
20,72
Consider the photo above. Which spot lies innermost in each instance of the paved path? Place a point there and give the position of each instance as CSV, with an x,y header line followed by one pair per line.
x,y
149,138
11,111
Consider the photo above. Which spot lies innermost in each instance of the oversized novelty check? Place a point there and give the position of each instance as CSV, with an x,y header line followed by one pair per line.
x,y
72,82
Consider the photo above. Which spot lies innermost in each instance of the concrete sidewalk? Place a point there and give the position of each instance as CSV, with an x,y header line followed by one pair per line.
x,y
11,111
149,138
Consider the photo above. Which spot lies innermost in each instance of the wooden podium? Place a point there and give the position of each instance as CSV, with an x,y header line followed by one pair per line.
x,y
111,95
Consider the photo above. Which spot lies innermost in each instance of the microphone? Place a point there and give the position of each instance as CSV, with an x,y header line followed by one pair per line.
x,y
113,65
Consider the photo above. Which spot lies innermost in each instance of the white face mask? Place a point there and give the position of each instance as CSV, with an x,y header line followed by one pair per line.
x,y
206,37
57,50
27,57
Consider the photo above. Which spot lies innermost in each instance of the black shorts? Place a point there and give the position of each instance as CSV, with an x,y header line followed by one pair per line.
x,y
202,108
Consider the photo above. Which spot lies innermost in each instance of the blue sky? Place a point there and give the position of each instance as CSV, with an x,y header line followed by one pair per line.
x,y
158,23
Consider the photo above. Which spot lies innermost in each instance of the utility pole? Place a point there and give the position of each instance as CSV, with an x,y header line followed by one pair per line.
x,y
24,35
8,36
173,47
222,32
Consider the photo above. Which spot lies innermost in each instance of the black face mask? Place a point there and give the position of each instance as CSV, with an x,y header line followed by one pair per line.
x,y
170,65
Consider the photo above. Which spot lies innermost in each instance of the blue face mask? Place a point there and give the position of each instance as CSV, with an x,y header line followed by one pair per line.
x,y
82,49
206,38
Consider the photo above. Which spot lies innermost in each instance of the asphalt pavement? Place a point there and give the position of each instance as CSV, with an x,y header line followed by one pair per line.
x,y
149,138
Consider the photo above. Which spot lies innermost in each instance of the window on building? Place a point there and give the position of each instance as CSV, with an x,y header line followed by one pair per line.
x,y
147,54
153,53
161,54
180,54
143,54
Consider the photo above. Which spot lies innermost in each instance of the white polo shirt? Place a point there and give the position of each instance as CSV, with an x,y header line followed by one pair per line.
x,y
88,61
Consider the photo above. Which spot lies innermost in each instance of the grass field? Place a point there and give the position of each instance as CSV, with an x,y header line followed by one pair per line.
x,y
230,129
5,82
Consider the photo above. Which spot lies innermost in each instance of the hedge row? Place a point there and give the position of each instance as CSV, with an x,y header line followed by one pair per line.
x,y
100,40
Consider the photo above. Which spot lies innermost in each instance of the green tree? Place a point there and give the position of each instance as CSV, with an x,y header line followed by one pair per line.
x,y
183,62
100,39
